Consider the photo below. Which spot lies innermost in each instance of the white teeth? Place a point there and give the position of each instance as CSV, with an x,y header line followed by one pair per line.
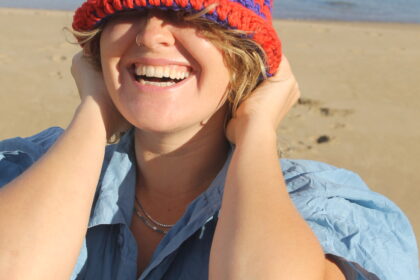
x,y
172,74
159,72
166,71
159,84
170,71
150,71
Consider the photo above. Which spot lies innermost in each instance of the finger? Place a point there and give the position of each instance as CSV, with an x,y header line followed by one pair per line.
x,y
290,101
284,72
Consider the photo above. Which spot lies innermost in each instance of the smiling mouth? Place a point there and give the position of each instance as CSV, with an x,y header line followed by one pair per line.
x,y
162,75
161,82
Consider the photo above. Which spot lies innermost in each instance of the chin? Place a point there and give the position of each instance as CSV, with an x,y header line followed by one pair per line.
x,y
163,125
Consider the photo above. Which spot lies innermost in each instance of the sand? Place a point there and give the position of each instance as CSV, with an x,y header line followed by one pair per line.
x,y
359,81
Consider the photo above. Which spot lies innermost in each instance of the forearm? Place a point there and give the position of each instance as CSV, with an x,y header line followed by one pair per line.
x,y
44,212
260,234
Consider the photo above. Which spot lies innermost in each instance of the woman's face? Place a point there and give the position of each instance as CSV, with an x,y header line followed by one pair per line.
x,y
135,72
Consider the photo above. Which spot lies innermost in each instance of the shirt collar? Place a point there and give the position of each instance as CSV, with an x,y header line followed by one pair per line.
x,y
114,198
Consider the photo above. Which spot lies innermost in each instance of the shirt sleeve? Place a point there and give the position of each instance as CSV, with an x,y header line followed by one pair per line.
x,y
17,154
363,232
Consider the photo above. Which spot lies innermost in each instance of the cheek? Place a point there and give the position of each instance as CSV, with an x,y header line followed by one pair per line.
x,y
116,38
111,76
115,41
213,74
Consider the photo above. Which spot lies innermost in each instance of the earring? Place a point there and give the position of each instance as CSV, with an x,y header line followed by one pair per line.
x,y
138,42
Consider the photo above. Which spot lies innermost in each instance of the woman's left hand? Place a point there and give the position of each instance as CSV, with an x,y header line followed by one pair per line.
x,y
268,104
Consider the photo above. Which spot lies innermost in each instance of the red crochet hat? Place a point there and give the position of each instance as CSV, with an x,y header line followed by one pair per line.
x,y
247,15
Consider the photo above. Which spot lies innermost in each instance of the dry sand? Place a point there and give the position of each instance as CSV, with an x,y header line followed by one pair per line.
x,y
359,81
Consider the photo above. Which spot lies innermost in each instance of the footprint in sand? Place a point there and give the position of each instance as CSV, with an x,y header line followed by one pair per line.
x,y
56,74
59,58
328,112
397,50
324,111
373,33
308,102
304,146
286,149
336,120
339,125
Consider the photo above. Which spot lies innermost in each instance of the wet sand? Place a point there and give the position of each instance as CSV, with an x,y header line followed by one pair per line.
x,y
359,81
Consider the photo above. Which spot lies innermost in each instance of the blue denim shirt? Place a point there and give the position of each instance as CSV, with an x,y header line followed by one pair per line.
x,y
366,233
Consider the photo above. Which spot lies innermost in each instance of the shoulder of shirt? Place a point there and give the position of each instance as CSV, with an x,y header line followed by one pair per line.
x,y
299,173
35,145
17,154
350,220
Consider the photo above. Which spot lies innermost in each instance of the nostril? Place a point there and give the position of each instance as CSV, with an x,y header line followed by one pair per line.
x,y
138,42
154,41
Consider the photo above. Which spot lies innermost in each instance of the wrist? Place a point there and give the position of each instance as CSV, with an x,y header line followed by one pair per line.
x,y
89,113
255,133
109,119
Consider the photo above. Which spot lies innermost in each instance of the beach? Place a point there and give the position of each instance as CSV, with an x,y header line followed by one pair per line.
x,y
360,93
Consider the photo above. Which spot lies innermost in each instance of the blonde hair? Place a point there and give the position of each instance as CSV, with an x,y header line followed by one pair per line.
x,y
245,59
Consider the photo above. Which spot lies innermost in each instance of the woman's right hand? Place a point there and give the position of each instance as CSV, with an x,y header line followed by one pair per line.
x,y
91,87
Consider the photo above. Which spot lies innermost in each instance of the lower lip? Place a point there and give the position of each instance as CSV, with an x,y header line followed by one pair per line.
x,y
153,88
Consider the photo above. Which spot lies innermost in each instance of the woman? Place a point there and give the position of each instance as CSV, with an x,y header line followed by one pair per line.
x,y
188,192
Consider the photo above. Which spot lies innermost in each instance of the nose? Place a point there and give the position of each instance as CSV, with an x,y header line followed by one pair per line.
x,y
155,32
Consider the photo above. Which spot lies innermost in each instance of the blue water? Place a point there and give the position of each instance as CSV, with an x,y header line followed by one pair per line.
x,y
350,10
345,10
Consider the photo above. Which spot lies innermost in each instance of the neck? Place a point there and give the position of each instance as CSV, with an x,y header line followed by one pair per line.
x,y
175,168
